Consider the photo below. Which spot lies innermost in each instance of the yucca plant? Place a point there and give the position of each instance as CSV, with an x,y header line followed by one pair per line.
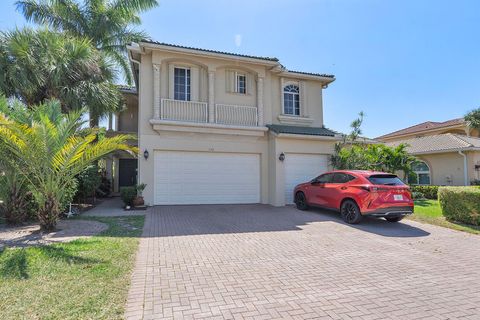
x,y
49,149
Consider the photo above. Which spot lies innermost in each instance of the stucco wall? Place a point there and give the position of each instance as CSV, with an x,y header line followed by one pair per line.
x,y
267,146
445,168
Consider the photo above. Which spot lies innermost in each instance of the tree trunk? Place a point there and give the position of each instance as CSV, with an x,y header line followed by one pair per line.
x,y
48,214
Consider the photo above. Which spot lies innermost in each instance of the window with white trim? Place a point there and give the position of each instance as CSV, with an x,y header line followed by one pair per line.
x,y
240,83
422,172
291,100
181,84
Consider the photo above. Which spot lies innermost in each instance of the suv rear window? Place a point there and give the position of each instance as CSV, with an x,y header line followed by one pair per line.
x,y
385,179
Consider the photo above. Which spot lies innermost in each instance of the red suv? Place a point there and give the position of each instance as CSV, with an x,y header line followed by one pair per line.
x,y
356,194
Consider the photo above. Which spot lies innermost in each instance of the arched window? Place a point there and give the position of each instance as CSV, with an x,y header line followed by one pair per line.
x,y
291,100
422,172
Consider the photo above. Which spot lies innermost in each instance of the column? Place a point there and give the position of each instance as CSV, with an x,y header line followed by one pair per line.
x,y
211,96
260,101
156,91
110,121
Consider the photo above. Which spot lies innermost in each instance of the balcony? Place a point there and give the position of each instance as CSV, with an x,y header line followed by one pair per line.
x,y
202,117
194,111
236,115
179,110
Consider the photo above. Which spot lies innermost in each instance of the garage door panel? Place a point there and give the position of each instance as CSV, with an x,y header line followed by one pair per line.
x,y
206,178
301,168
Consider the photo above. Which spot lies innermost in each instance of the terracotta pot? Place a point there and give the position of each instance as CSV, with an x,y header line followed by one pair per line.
x,y
138,201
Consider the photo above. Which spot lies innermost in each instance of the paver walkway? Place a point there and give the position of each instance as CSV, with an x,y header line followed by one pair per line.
x,y
261,262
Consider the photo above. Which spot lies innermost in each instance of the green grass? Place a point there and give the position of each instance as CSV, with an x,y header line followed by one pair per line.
x,y
429,211
82,279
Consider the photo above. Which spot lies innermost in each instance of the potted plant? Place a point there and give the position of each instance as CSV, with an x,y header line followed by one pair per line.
x,y
138,200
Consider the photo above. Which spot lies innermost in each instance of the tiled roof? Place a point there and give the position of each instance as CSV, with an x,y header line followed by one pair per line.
x,y
311,131
272,59
126,89
212,51
423,126
447,142
313,74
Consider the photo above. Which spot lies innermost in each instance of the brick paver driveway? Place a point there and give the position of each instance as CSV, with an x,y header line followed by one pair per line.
x,y
261,262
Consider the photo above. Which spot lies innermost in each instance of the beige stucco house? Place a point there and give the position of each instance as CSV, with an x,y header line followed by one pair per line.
x,y
449,151
217,127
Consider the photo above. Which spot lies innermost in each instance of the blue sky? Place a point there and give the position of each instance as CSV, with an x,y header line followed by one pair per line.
x,y
401,62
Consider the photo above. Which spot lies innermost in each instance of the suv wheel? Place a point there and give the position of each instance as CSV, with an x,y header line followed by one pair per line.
x,y
394,219
350,212
301,201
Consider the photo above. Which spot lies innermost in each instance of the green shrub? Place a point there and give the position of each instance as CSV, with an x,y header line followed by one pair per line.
x,y
128,194
88,181
430,192
417,195
461,204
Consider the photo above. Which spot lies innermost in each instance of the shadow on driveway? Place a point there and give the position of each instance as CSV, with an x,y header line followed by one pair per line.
x,y
219,219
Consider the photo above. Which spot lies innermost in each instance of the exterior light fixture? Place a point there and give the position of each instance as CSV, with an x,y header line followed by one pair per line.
x,y
146,154
281,157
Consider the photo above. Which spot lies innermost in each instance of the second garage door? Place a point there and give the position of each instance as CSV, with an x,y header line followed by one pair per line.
x,y
206,177
301,168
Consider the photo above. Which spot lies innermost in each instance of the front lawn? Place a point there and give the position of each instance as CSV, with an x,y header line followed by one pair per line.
x,y
429,211
83,279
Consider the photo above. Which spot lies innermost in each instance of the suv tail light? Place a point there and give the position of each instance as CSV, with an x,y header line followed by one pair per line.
x,y
369,188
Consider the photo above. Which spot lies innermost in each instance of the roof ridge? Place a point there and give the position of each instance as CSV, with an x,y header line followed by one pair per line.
x,y
437,124
210,50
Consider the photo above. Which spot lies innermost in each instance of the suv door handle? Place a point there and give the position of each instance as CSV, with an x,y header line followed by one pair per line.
x,y
343,188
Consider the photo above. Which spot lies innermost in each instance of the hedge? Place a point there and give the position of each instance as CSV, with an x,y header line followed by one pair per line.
x,y
430,192
460,204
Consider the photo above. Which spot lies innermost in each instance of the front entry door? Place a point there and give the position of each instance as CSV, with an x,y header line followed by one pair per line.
x,y
127,172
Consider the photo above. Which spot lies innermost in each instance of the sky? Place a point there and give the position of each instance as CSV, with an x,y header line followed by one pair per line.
x,y
400,62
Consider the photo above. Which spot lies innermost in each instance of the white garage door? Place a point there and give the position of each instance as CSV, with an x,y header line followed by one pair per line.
x,y
301,168
206,177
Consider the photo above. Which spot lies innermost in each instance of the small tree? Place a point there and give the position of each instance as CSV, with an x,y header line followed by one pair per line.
x,y
353,155
473,118
50,151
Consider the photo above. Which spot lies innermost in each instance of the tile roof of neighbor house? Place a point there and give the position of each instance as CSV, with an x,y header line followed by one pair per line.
x,y
310,131
423,126
273,59
127,89
447,142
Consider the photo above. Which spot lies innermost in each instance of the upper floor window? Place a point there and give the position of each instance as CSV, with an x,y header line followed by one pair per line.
x,y
240,83
291,100
421,173
182,84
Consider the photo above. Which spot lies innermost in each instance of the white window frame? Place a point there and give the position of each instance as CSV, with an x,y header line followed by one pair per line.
x,y
293,94
418,173
237,82
188,87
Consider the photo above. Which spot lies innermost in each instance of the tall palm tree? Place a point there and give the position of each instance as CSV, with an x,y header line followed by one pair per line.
x,y
49,149
36,65
109,24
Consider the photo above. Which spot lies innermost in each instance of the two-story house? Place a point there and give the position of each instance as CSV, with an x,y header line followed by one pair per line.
x,y
217,127
448,151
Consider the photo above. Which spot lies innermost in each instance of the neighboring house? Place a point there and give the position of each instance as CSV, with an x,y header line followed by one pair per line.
x,y
449,151
217,127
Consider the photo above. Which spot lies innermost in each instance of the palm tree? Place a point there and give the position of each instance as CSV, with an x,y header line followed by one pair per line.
x,y
49,149
473,119
107,23
36,65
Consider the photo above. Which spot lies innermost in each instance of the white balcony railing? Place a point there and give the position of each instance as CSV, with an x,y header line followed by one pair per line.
x,y
179,110
236,115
